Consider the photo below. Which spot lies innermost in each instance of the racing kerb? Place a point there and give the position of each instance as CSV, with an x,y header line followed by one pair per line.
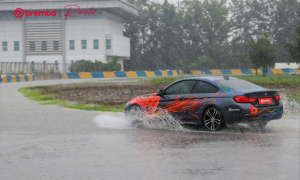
x,y
243,71
172,73
16,78
121,74
31,77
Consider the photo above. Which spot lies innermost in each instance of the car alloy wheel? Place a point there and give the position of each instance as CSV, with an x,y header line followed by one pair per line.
x,y
212,119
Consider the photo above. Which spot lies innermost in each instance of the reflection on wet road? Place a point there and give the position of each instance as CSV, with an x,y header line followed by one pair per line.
x,y
49,142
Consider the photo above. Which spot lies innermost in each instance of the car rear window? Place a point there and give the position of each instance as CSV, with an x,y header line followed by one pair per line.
x,y
237,84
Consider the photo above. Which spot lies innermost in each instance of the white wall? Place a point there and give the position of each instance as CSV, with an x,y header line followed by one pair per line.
x,y
90,29
286,65
120,46
11,31
84,29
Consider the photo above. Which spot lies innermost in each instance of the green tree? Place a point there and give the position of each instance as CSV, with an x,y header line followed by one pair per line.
x,y
206,30
203,62
249,18
82,66
286,15
262,52
169,34
88,66
294,46
143,33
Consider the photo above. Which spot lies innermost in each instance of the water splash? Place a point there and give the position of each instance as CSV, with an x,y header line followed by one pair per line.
x,y
291,108
162,121
112,121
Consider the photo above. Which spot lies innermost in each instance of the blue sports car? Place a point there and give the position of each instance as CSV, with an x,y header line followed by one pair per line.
x,y
212,102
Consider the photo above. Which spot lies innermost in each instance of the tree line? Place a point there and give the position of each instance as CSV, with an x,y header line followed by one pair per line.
x,y
194,34
98,66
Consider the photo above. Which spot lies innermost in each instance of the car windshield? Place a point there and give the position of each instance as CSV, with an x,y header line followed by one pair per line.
x,y
236,84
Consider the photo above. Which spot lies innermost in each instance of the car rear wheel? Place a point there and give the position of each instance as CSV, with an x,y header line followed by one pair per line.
x,y
212,119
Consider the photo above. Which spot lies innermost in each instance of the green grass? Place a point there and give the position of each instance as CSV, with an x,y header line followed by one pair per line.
x,y
272,79
34,95
47,100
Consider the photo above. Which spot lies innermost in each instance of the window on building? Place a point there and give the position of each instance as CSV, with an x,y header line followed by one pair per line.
x,y
4,45
44,45
55,45
72,45
108,44
32,45
16,46
96,44
83,44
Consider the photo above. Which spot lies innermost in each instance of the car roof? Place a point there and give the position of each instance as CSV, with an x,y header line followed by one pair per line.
x,y
212,78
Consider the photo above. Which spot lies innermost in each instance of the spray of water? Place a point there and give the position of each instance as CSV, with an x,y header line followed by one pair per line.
x,y
136,119
291,116
112,121
291,106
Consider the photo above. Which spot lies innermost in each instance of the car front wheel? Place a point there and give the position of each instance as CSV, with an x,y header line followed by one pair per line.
x,y
135,114
212,119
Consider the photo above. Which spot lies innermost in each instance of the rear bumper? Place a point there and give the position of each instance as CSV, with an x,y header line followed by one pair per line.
x,y
261,117
248,114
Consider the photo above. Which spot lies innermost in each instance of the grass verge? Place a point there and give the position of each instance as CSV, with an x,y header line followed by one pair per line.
x,y
48,100
272,79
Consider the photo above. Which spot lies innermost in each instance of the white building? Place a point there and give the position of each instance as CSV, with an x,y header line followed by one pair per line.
x,y
63,30
286,65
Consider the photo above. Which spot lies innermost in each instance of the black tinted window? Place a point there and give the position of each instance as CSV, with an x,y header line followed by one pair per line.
x,y
203,87
237,84
183,87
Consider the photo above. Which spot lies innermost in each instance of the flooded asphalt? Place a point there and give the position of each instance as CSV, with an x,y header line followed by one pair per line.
x,y
49,142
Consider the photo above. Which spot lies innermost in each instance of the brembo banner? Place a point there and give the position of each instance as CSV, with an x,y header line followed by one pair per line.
x,y
70,11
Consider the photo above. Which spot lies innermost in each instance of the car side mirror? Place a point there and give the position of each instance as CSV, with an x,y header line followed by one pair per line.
x,y
160,92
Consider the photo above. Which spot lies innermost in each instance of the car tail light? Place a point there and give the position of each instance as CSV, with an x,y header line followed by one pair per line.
x,y
252,99
277,97
243,99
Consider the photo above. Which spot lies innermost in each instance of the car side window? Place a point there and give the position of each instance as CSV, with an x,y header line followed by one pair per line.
x,y
203,87
182,87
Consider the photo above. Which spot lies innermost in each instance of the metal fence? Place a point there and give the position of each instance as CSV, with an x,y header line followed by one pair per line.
x,y
28,67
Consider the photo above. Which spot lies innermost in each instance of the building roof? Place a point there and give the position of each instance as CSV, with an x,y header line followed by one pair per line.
x,y
119,7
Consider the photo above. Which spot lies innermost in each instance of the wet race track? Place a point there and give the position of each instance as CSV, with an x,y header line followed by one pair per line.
x,y
50,142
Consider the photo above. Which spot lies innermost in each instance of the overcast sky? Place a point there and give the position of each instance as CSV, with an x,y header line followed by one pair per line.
x,y
170,1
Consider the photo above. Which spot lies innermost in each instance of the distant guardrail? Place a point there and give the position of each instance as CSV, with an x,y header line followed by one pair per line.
x,y
109,74
76,75
121,74
243,71
16,78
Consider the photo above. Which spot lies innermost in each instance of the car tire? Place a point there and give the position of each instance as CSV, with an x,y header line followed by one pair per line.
x,y
212,119
135,114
